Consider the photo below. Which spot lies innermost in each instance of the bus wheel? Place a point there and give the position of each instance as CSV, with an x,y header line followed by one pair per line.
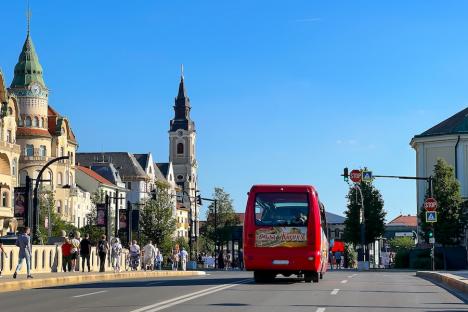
x,y
263,277
315,277
308,276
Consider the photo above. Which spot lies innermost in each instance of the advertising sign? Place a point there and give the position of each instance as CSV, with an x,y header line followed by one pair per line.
x,y
101,215
21,203
281,237
123,219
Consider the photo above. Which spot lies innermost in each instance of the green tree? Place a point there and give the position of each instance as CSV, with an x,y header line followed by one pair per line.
x,y
46,204
225,215
157,221
401,243
448,229
91,228
374,214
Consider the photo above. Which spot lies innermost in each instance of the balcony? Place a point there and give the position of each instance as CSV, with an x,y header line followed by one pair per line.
x,y
10,147
36,156
6,212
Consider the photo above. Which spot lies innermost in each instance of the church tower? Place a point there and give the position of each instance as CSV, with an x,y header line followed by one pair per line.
x,y
182,150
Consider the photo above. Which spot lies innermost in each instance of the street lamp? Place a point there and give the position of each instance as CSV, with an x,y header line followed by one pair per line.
x,y
36,231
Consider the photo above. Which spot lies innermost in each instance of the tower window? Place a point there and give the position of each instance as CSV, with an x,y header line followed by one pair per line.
x,y
180,148
180,177
5,199
36,122
27,121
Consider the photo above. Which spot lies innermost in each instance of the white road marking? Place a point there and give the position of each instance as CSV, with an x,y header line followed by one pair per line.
x,y
354,274
93,293
320,310
181,299
344,281
334,291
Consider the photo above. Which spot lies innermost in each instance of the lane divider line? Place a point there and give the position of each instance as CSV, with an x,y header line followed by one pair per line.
x,y
93,293
344,281
334,291
177,300
320,310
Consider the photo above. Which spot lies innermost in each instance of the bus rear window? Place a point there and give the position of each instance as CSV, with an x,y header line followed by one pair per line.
x,y
281,209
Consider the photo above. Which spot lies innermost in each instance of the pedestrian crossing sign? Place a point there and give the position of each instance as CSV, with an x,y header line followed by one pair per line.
x,y
367,176
431,216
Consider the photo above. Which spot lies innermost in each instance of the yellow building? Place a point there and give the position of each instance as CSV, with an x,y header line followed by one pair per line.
x,y
9,155
182,221
43,133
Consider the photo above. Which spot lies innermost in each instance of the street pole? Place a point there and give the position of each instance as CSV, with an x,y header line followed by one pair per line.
x,y
362,224
36,231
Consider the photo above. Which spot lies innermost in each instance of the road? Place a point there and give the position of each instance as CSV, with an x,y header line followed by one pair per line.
x,y
235,291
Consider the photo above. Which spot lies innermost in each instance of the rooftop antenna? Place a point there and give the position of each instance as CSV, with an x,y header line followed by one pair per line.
x,y
28,17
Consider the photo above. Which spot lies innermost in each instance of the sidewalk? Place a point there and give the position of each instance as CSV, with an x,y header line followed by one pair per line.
x,y
457,280
41,280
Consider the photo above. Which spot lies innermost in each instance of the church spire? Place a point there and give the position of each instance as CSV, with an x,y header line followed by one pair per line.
x,y
182,107
28,69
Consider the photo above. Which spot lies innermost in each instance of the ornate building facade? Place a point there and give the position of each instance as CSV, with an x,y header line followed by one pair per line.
x,y
43,134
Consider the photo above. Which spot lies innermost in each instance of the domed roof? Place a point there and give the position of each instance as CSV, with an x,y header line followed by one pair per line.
x,y
28,69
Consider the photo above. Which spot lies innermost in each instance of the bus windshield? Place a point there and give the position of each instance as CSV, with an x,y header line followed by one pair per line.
x,y
281,209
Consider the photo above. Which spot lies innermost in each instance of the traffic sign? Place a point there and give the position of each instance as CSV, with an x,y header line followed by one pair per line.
x,y
367,176
431,216
430,204
355,176
431,240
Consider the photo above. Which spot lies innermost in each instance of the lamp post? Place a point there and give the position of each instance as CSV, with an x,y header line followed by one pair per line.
x,y
36,231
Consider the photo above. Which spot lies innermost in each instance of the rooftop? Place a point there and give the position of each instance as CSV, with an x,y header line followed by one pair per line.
x,y
95,175
456,124
402,220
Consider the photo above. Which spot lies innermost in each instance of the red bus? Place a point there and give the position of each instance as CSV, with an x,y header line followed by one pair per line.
x,y
285,233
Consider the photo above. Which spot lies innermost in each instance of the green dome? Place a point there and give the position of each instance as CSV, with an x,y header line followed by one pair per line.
x,y
28,69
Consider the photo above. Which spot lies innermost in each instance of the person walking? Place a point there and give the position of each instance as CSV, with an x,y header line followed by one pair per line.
x,y
175,260
25,252
103,249
338,259
115,253
2,251
75,252
159,260
85,252
183,259
134,255
66,255
149,253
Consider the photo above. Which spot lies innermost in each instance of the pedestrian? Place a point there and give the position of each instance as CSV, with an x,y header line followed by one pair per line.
x,y
134,255
155,260
66,255
175,260
103,249
221,260
2,251
149,253
115,253
330,258
75,252
159,260
183,258
85,252
228,260
338,259
241,259
25,252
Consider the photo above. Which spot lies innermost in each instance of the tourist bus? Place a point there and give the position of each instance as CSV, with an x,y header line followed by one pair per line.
x,y
285,233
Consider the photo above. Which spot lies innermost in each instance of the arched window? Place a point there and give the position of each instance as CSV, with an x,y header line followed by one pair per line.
x,y
59,206
36,122
43,151
5,199
23,175
29,150
49,177
180,148
59,178
27,122
14,165
41,123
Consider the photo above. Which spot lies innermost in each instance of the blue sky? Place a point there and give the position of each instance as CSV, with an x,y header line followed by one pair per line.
x,y
285,92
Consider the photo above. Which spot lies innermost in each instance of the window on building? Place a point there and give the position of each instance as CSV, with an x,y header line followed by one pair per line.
x,y
337,233
14,166
4,199
27,121
59,206
36,122
43,151
59,178
129,185
29,150
180,148
23,175
9,139
79,222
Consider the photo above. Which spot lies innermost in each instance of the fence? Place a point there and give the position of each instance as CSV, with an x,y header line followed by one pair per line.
x,y
48,258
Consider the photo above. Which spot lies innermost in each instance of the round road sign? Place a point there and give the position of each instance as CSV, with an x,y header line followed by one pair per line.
x,y
430,204
355,175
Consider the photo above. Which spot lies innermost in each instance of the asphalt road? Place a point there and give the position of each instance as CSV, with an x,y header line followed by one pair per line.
x,y
235,291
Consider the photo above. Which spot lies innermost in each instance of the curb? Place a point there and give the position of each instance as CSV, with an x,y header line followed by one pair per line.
x,y
82,279
452,281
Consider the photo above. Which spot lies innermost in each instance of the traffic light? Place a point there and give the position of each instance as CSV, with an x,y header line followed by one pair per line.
x,y
199,200
345,174
430,233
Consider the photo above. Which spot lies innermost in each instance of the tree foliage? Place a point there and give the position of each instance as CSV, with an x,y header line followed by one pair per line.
x,y
374,214
226,217
400,243
450,220
157,221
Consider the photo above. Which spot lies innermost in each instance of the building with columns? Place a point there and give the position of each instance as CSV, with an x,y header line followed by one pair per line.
x,y
182,154
43,134
9,156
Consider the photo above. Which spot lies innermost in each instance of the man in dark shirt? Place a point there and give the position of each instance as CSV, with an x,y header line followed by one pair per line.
x,y
85,252
25,252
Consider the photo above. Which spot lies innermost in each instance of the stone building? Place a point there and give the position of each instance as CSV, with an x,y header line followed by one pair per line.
x,y
9,155
42,132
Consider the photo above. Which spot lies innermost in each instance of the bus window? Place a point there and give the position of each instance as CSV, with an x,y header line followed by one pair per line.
x,y
281,209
